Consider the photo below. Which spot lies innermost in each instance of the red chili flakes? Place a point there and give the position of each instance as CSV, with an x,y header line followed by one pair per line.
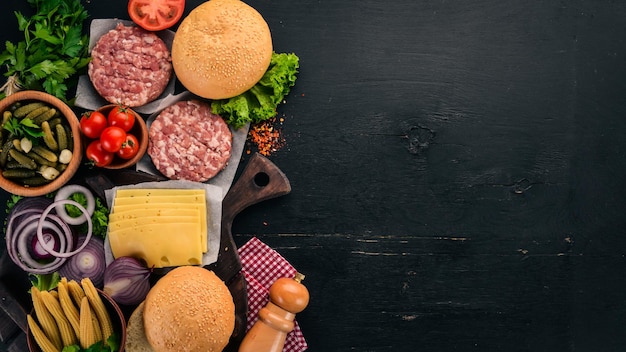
x,y
266,136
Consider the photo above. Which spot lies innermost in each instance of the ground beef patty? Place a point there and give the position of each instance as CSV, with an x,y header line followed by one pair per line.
x,y
188,142
130,66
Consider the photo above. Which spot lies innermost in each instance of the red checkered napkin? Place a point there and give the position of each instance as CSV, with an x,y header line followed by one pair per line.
x,y
261,266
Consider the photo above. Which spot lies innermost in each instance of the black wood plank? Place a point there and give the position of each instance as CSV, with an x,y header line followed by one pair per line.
x,y
456,171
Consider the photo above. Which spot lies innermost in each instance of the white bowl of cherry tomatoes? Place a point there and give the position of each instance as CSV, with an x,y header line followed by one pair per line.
x,y
116,137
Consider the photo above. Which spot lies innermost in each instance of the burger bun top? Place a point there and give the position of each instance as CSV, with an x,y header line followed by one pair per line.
x,y
221,49
189,308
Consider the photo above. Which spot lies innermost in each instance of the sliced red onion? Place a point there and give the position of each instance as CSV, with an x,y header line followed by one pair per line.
x,y
37,250
28,229
48,247
89,262
126,280
64,193
30,203
22,227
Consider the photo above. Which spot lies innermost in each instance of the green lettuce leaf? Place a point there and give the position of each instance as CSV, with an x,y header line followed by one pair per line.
x,y
260,102
45,282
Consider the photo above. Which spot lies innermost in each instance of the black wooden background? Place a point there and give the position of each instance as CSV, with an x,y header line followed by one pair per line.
x,y
457,171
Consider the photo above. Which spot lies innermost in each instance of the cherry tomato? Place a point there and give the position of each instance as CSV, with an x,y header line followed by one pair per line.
x,y
92,123
156,15
98,156
122,117
129,148
112,138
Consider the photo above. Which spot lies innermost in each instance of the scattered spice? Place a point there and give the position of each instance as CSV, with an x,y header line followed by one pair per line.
x,y
266,136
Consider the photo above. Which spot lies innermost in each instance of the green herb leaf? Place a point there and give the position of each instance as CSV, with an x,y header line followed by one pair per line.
x,y
53,50
99,219
73,44
112,345
42,32
45,282
22,22
23,128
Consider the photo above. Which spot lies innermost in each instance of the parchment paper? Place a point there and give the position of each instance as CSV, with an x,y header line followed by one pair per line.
x,y
86,95
214,213
88,98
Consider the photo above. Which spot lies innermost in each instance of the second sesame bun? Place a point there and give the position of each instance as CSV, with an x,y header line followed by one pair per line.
x,y
189,309
135,333
221,49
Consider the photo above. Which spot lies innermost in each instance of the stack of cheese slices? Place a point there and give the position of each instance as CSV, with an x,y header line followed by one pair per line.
x,y
163,227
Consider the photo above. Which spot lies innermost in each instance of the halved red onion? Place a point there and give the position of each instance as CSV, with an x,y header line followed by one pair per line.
x,y
126,280
89,262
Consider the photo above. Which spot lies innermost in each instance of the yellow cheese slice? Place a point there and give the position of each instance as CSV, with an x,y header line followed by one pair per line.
x,y
134,199
184,199
159,245
148,192
163,227
156,220
154,211
133,211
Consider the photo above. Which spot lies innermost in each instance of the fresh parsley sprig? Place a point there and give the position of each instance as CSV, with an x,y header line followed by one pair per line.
x,y
23,128
54,50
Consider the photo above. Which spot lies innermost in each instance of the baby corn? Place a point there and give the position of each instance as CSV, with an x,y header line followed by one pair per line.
x,y
70,310
67,332
74,314
76,292
48,324
98,307
40,337
87,336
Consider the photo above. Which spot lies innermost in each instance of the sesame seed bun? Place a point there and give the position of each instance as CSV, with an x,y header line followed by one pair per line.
x,y
221,49
189,308
135,334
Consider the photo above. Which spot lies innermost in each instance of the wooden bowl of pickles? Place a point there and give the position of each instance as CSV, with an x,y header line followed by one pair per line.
x,y
40,144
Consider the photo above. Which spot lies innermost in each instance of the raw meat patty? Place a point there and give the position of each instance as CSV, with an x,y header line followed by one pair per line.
x,y
188,142
130,66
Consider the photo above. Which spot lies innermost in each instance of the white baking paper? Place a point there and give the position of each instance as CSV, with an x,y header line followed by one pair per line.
x,y
86,95
224,178
214,213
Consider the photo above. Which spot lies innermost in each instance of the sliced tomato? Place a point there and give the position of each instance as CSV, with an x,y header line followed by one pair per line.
x,y
156,15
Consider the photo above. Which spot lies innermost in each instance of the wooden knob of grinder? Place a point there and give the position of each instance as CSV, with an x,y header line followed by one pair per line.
x,y
268,334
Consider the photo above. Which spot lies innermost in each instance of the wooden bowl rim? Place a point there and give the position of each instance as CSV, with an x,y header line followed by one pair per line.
x,y
77,151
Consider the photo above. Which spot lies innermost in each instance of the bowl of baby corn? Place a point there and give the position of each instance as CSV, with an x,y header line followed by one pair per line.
x,y
75,316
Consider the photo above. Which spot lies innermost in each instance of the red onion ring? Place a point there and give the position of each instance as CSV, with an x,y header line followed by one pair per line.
x,y
20,255
22,246
64,193
49,247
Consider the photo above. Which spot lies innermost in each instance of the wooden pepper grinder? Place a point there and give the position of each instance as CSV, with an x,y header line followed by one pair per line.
x,y
268,334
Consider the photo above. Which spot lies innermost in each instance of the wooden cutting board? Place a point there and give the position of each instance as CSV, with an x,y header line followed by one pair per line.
x,y
260,180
